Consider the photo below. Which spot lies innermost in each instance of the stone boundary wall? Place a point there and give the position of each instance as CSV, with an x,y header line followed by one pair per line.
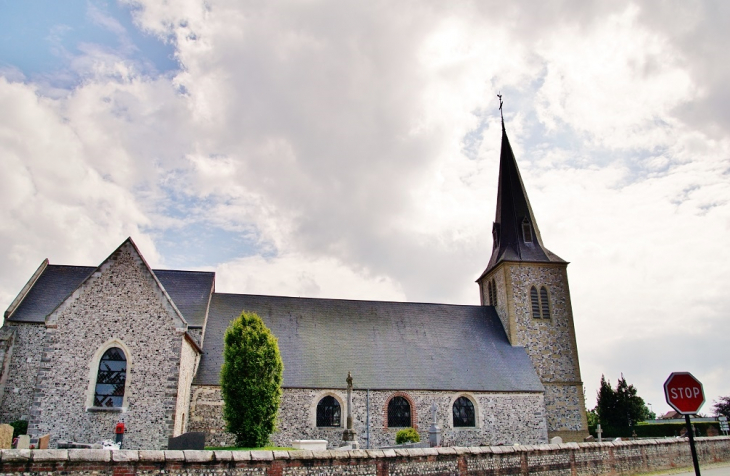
x,y
574,459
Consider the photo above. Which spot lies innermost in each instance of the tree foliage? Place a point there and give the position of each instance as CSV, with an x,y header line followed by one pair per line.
x,y
722,407
622,407
250,380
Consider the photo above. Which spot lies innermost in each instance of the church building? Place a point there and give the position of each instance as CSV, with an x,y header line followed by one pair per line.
x,y
83,347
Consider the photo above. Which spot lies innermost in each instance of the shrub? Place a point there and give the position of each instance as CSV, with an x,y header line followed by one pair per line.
x,y
20,427
250,380
407,435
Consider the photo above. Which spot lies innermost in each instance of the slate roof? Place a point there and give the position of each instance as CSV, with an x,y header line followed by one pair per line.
x,y
54,285
386,345
189,290
513,207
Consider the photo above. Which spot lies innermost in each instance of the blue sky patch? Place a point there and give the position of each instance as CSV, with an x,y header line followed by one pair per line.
x,y
42,37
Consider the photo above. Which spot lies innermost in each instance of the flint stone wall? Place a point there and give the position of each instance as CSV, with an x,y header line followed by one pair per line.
x,y
25,361
120,301
501,418
578,459
550,343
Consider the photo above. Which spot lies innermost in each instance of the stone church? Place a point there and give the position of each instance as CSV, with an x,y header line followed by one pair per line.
x,y
85,347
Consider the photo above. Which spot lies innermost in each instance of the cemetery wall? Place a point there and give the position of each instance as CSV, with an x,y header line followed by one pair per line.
x,y
118,306
501,418
579,459
25,360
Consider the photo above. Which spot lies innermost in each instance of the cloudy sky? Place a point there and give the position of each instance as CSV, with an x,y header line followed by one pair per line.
x,y
350,149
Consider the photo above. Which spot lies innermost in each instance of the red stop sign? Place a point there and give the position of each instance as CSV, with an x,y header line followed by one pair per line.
x,y
684,393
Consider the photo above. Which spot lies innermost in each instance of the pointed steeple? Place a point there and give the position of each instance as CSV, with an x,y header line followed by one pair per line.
x,y
515,234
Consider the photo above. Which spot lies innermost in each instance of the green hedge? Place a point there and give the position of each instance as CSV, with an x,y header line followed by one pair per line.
x,y
20,427
658,430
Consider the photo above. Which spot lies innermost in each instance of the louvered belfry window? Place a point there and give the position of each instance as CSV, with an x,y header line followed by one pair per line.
x,y
110,379
463,412
328,412
544,303
399,413
494,293
526,231
535,301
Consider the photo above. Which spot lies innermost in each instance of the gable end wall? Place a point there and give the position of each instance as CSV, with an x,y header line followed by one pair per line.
x,y
120,301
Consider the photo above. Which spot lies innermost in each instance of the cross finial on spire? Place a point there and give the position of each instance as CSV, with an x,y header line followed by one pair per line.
x,y
501,115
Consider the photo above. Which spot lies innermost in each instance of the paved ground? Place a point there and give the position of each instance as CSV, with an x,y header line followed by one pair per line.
x,y
722,469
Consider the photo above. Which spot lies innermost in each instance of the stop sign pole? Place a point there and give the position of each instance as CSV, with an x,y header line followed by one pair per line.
x,y
685,394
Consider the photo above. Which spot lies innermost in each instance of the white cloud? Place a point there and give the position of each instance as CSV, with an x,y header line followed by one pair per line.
x,y
356,145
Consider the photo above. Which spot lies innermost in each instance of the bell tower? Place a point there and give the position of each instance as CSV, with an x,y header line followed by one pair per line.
x,y
528,286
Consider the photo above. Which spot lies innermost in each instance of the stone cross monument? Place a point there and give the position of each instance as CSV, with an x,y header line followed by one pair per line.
x,y
349,434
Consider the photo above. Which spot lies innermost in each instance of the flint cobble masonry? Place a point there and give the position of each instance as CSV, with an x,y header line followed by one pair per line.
x,y
505,418
564,459
550,343
120,300
24,360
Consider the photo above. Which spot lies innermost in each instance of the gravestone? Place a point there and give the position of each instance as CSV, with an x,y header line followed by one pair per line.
x,y
434,431
195,440
556,440
43,441
6,436
23,442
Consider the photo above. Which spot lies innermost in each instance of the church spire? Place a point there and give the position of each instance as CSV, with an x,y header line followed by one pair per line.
x,y
515,234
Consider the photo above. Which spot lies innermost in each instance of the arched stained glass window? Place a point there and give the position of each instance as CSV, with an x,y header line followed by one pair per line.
x,y
544,303
110,379
399,413
463,412
328,412
535,301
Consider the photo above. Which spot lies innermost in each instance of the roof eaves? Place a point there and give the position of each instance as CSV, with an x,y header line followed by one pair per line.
x,y
26,289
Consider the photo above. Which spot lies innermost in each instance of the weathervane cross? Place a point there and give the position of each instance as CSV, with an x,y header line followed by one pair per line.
x,y
499,95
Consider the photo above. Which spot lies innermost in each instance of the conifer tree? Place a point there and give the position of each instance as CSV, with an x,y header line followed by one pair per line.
x,y
622,407
250,380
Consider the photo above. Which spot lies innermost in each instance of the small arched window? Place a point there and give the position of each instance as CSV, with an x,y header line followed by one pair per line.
x,y
535,301
544,303
111,379
463,410
494,293
526,231
399,413
329,412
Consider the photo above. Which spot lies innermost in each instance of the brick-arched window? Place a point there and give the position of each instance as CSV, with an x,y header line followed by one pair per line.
x,y
111,379
329,412
400,412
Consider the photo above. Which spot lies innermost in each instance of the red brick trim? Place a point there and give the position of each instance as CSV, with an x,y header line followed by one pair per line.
x,y
414,419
